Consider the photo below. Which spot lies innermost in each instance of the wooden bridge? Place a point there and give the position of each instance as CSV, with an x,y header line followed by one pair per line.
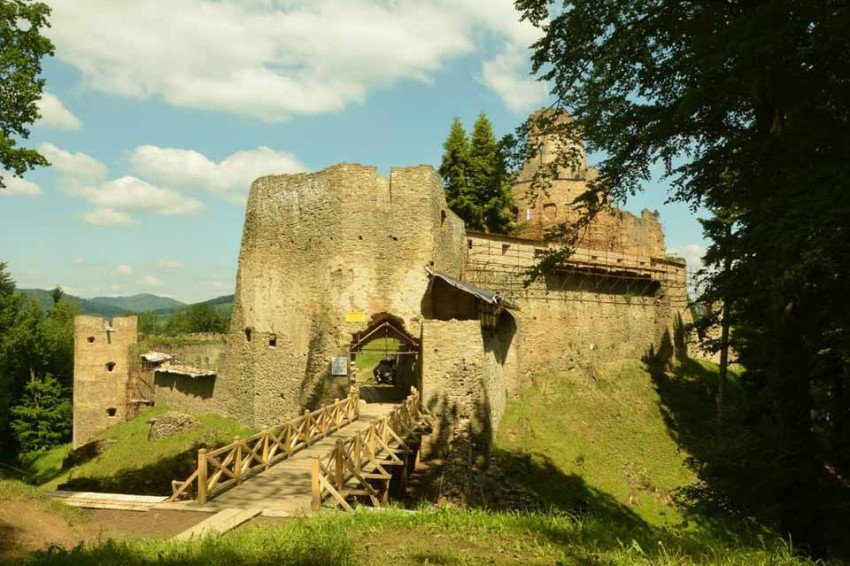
x,y
343,452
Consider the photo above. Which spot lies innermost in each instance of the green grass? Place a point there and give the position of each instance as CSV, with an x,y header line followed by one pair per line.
x,y
375,350
134,464
429,537
581,438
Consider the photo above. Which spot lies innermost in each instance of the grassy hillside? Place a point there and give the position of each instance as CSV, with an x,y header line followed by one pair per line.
x,y
143,302
86,306
596,441
132,463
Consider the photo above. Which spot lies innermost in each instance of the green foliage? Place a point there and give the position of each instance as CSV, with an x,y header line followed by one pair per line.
x,y
200,317
22,46
476,178
43,418
33,346
748,105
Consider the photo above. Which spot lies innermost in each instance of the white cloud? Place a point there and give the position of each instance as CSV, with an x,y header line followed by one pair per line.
x,y
229,178
115,199
169,264
108,217
55,115
507,75
123,269
18,186
77,261
78,166
150,281
271,59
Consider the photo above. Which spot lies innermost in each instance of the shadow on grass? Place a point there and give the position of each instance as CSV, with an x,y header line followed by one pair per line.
x,y
152,479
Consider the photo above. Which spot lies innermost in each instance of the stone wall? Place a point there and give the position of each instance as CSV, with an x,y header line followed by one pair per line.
x,y
101,373
196,395
322,253
599,312
467,373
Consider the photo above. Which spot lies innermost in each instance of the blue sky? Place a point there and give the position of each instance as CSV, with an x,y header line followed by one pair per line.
x,y
160,113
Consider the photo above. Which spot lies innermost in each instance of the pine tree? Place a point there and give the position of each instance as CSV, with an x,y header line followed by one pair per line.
x,y
43,418
455,163
475,175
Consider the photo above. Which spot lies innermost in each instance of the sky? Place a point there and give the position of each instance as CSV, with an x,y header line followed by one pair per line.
x,y
158,115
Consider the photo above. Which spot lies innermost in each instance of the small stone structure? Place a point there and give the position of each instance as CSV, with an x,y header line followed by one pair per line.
x,y
170,424
331,259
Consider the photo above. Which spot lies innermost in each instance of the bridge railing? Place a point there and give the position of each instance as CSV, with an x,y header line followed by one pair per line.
x,y
223,468
347,469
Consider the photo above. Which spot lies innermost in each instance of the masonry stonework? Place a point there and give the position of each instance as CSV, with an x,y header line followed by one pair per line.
x,y
101,373
317,250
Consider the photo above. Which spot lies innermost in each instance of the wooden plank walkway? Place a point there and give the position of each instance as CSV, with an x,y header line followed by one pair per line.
x,y
285,488
221,522
119,501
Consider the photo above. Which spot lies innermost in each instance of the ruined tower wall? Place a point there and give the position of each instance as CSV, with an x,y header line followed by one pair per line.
x,y
321,254
101,374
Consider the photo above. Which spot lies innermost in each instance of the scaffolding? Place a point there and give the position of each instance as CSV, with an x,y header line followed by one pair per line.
x,y
602,276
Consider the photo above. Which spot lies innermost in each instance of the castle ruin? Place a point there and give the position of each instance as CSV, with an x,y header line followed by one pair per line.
x,y
333,258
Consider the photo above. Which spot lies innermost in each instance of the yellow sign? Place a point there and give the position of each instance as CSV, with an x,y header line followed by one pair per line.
x,y
355,316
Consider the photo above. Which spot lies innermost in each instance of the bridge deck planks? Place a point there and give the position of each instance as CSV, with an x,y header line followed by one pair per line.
x,y
285,487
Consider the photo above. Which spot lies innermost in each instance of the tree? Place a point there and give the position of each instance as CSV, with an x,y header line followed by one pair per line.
x,y
58,333
202,317
43,418
455,163
476,177
22,46
748,105
56,294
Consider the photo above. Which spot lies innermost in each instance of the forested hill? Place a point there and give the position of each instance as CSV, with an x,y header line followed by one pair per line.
x,y
87,306
143,302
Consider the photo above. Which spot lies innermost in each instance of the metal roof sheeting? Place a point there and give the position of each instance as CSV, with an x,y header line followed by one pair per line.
x,y
485,295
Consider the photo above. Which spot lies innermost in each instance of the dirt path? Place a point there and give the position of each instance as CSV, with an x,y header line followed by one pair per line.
x,y
27,526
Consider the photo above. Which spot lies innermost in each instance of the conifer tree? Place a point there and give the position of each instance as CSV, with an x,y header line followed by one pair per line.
x,y
476,178
455,163
43,418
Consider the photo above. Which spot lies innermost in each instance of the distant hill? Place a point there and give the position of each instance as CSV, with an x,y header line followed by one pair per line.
x,y
143,302
223,305
87,306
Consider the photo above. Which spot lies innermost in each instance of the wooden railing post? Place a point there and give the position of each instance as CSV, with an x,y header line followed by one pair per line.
x,y
314,485
338,466
202,476
305,427
265,447
356,452
237,459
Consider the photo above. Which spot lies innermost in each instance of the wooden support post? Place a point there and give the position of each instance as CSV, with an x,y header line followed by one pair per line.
x,y
356,452
237,459
314,485
305,427
265,448
202,476
339,465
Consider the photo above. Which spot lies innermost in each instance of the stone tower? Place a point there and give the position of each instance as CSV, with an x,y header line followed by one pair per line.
x,y
323,254
101,373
